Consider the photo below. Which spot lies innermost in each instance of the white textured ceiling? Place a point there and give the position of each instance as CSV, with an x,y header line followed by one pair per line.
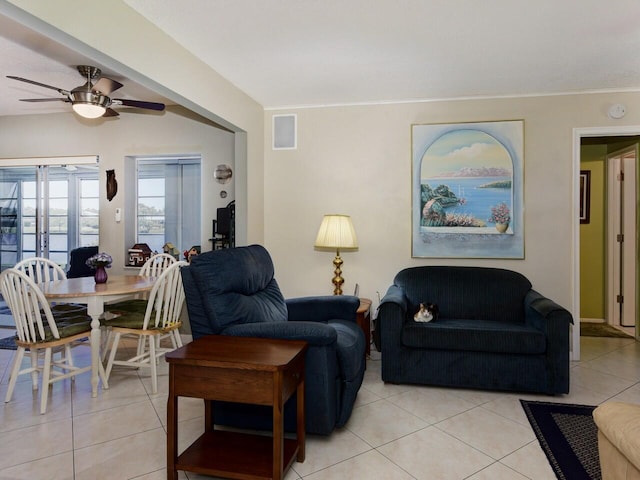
x,y
314,52
324,52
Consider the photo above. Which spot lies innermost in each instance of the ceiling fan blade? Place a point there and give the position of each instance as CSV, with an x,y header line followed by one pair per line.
x,y
66,100
33,82
138,104
106,86
110,112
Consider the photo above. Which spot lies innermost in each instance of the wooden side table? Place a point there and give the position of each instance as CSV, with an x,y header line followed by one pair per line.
x,y
363,315
237,369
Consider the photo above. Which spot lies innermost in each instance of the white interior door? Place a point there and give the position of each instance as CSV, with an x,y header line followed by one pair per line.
x,y
621,235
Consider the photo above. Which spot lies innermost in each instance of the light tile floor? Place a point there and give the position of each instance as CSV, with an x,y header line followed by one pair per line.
x,y
395,432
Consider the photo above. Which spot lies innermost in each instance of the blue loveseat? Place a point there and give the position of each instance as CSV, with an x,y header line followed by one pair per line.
x,y
233,292
493,331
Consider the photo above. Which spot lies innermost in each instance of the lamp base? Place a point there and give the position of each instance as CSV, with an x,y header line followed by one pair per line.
x,y
337,274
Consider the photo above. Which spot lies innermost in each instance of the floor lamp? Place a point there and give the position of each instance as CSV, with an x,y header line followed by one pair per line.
x,y
337,232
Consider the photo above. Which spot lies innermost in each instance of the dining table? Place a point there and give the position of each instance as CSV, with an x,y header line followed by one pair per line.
x,y
95,296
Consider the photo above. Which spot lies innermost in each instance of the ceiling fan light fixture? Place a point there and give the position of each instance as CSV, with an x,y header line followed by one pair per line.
x,y
88,104
89,110
91,100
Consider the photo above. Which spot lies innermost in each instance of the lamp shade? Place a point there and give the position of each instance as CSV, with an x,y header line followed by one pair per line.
x,y
336,231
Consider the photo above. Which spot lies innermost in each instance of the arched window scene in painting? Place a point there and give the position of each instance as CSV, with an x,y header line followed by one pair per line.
x,y
466,180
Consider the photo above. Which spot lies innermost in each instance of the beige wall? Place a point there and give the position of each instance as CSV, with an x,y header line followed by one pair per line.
x,y
356,160
112,140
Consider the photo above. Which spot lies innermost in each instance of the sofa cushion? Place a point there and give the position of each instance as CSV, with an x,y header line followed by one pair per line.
x,y
474,336
237,285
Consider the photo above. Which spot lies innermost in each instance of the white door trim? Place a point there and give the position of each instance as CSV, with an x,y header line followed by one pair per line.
x,y
578,133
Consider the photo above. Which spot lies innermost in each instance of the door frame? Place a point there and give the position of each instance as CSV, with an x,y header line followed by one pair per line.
x,y
578,134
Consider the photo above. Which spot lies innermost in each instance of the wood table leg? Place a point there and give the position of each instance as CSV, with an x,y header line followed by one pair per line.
x,y
278,427
172,435
300,421
208,415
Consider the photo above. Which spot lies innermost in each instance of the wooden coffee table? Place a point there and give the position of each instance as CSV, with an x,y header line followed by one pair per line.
x,y
245,370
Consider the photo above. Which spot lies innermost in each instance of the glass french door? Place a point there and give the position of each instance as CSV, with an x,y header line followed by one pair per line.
x,y
47,211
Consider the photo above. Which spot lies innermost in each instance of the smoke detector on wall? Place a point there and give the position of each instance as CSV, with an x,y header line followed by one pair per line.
x,y
617,111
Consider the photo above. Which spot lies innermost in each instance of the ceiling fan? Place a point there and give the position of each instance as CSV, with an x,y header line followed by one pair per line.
x,y
91,100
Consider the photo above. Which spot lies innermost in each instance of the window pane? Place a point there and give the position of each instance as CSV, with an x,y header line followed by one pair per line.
x,y
8,224
58,189
151,225
9,209
58,242
58,225
88,225
90,206
29,225
8,239
29,242
29,207
8,189
89,240
89,188
58,206
155,242
28,189
9,259
148,187
151,206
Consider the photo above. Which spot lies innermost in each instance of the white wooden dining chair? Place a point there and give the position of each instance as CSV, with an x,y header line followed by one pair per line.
x,y
156,264
41,269
161,319
44,333
153,267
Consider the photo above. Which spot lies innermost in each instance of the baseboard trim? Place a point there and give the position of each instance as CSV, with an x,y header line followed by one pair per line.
x,y
593,320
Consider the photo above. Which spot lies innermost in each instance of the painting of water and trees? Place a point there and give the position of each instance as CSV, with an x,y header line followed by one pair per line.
x,y
467,199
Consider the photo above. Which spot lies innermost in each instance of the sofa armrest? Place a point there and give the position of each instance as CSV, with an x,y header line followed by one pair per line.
x,y
323,308
391,315
316,334
540,309
395,295
554,321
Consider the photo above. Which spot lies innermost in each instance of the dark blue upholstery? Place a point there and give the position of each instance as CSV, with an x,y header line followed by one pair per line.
x,y
234,292
493,331
77,262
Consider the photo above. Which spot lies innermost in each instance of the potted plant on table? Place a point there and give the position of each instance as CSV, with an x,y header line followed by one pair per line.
x,y
100,261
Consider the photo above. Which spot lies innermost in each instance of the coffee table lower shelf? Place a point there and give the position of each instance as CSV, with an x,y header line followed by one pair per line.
x,y
234,455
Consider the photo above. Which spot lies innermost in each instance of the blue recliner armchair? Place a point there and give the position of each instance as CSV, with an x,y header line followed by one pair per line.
x,y
234,292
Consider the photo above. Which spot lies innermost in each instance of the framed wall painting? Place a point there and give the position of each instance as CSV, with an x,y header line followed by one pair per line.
x,y
585,196
468,190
